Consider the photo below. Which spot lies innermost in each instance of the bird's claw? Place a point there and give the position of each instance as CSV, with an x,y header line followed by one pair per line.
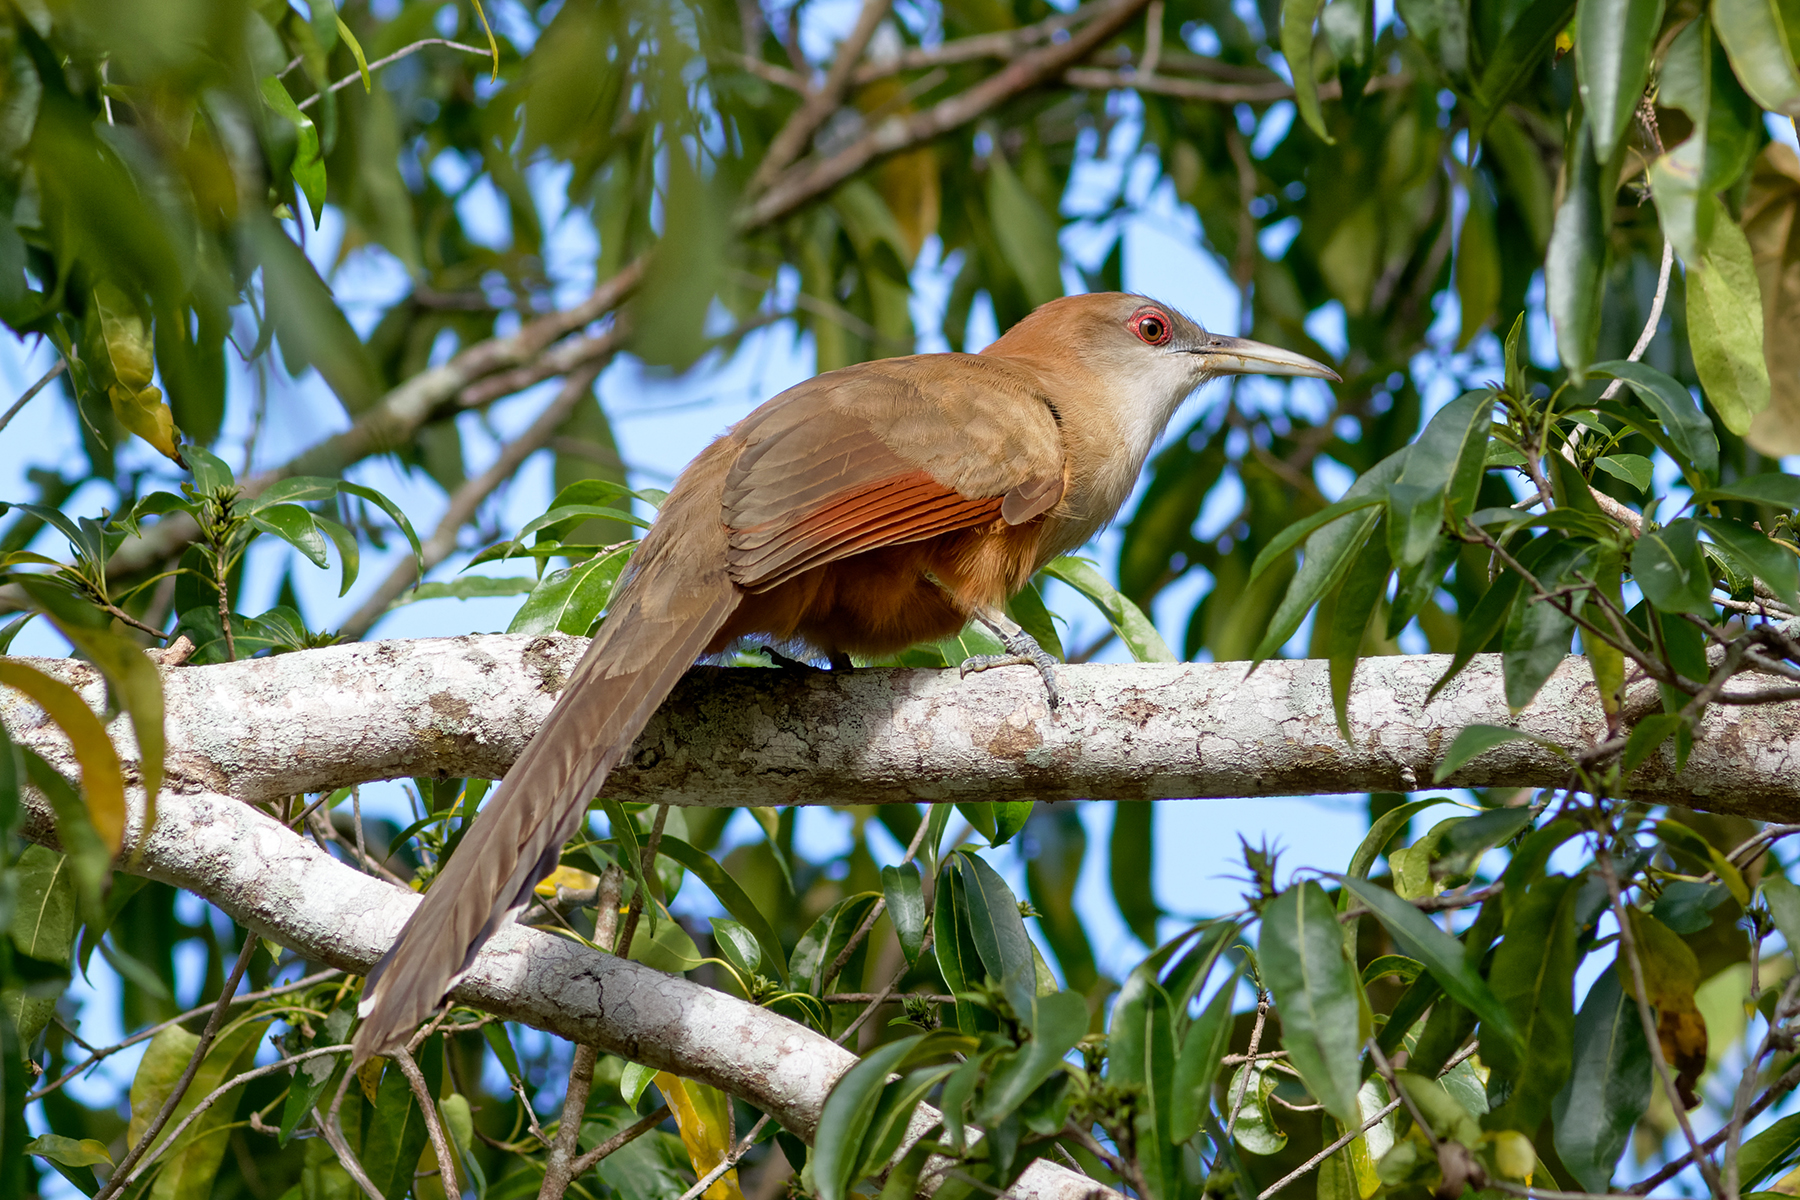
x,y
1022,651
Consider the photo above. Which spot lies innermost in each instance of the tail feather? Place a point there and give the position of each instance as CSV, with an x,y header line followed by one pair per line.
x,y
663,619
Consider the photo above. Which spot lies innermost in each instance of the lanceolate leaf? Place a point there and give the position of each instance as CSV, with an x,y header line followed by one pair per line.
x,y
1757,555
1609,1084
1576,262
1297,18
1756,37
1725,324
1358,597
999,931
1417,937
905,907
1205,1044
1613,43
1671,569
1316,989
1533,975
1129,621
729,893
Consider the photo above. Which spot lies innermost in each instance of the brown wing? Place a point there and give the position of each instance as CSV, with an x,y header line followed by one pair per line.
x,y
886,453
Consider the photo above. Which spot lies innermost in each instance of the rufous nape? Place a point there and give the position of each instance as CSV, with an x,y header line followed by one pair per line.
x,y
857,513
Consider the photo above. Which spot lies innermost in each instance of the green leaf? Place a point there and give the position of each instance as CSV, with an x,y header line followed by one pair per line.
x,y
295,489
1316,988
1680,837
1026,233
820,945
1134,628
1474,740
356,52
43,917
1671,569
1206,1043
308,166
470,587
1061,1022
1756,554
1533,975
845,1118
1575,266
953,945
1417,937
1769,1152
1755,35
999,932
1634,469
1484,621
1538,633
738,946
1141,1056
1248,1096
311,326
1131,867
729,893
1382,831
1290,537
1297,18
1477,264
349,554
1614,40
906,908
1646,736
1674,406
1784,905
1361,593
396,1135
394,514
571,599
189,1166
1609,1085
1522,49
293,525
1725,324
1772,488
68,1151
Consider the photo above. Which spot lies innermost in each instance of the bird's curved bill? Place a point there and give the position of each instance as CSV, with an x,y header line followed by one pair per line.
x,y
1241,356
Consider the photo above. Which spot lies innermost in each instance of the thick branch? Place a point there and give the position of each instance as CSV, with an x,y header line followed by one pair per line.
x,y
276,883
466,706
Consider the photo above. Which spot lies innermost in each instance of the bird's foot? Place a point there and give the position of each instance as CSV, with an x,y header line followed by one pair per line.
x,y
1022,651
785,662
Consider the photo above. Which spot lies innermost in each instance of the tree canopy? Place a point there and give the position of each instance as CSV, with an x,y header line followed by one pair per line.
x,y
1552,249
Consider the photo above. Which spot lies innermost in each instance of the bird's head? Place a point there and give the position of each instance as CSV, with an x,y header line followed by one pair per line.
x,y
1146,348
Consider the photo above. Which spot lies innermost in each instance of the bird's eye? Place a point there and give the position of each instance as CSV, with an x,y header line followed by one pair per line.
x,y
1151,327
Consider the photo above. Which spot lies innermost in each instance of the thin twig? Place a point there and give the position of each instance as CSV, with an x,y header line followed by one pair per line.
x,y
1634,962
1775,1092
729,1161
1656,308
34,389
396,56
224,1089
585,1163
143,1034
334,1137
791,140
434,1128
120,1176
558,1171
647,867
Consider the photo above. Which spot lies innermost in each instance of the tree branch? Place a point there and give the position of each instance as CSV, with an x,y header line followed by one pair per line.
x,y
467,706
813,177
279,885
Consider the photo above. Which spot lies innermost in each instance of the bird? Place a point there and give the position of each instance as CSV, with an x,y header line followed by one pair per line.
x,y
856,513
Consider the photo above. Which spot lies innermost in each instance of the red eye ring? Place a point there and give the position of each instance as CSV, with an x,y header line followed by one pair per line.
x,y
1152,327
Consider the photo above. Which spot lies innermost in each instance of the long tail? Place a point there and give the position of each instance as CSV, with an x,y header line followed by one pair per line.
x,y
677,599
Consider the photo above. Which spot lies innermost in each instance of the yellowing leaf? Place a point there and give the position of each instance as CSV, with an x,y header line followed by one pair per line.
x,y
125,365
1725,324
102,781
566,877
1772,225
1671,973
703,1115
